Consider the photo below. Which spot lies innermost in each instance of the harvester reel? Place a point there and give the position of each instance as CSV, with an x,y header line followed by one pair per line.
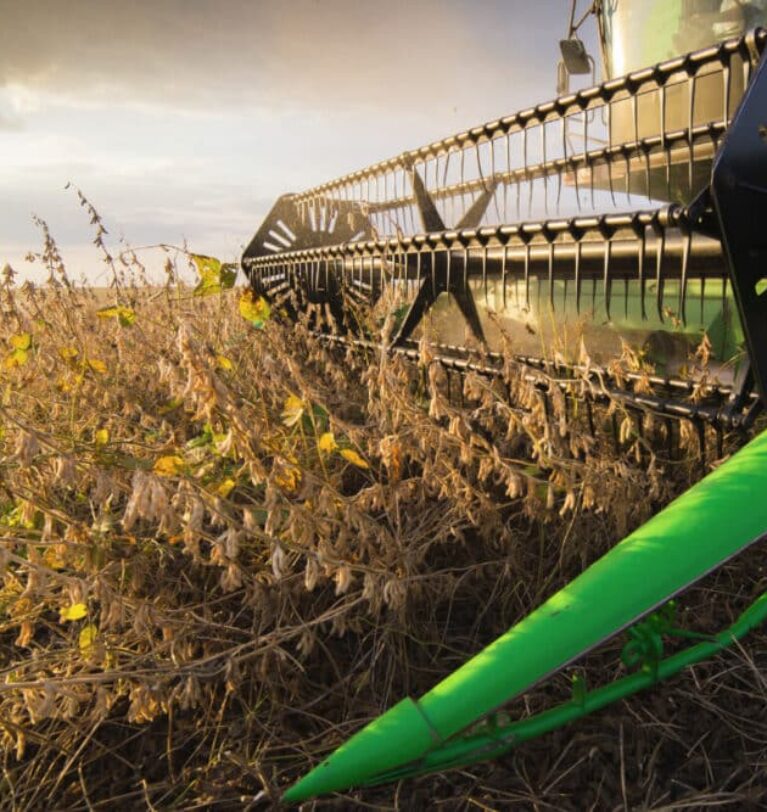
x,y
296,224
667,251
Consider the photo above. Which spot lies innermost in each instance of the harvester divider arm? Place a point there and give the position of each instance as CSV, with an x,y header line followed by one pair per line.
x,y
710,523
494,740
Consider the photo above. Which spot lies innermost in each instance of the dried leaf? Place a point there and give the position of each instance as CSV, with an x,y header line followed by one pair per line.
x,y
287,476
292,410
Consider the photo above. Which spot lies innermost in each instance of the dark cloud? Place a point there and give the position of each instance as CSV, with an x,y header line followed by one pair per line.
x,y
396,55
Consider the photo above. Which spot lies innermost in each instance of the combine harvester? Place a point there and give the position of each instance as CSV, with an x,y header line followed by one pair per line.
x,y
639,204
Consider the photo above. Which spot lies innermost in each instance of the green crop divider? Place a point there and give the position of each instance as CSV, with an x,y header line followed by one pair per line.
x,y
713,521
465,751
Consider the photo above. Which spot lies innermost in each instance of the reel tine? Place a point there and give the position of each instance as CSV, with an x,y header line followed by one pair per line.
x,y
640,232
700,428
577,269
527,271
660,250
691,84
494,182
560,182
663,140
465,268
506,180
544,177
433,268
504,257
686,246
576,183
550,239
607,233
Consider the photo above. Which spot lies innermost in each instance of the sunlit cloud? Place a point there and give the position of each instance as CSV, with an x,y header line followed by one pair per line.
x,y
183,120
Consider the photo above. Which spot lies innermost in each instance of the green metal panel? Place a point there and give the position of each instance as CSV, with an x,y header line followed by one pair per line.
x,y
643,32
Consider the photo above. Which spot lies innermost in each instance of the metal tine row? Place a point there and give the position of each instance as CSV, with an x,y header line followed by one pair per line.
x,y
525,190
666,430
621,125
640,247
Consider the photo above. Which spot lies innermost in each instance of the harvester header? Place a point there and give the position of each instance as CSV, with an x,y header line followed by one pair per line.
x,y
631,211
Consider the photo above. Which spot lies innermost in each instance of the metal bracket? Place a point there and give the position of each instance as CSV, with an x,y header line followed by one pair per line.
x,y
437,276
739,194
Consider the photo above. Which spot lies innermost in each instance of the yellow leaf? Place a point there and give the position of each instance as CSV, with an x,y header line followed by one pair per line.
x,y
125,315
170,406
17,358
288,477
22,341
327,443
68,353
222,362
226,487
292,410
97,366
87,638
169,465
101,436
53,559
76,611
354,458
254,309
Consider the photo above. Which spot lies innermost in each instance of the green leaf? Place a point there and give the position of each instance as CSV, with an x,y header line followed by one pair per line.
x,y
228,275
214,277
579,689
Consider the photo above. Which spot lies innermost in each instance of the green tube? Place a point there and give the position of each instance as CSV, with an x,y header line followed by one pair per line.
x,y
711,522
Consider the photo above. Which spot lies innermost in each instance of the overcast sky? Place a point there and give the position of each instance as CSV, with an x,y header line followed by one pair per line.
x,y
186,119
